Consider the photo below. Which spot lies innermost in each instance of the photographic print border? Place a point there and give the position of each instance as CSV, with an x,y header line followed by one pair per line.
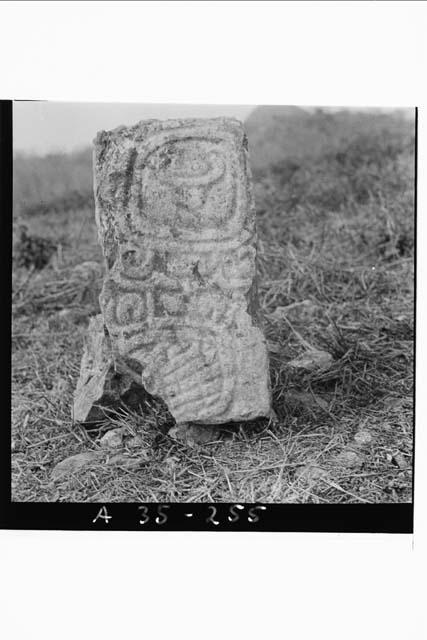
x,y
350,518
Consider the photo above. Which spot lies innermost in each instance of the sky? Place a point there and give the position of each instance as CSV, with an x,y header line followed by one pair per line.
x,y
42,127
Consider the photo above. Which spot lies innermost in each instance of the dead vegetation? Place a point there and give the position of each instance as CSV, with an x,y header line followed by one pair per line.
x,y
336,276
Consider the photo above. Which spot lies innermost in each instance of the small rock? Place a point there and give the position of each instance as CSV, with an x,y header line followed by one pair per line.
x,y
400,460
194,434
113,439
311,473
312,360
363,437
397,404
73,464
349,459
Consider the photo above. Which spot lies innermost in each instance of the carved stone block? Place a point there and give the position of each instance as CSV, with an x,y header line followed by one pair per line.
x,y
176,221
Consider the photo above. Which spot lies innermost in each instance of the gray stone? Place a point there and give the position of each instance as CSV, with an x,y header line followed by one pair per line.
x,y
400,460
363,438
105,381
176,220
113,439
312,360
73,464
349,458
311,474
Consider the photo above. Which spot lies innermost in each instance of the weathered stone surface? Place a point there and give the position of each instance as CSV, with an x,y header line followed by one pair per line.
x,y
176,221
73,464
104,381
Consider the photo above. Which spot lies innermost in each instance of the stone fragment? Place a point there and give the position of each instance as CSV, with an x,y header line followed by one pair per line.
x,y
105,381
311,474
176,220
312,360
400,460
363,438
171,463
113,439
350,459
73,464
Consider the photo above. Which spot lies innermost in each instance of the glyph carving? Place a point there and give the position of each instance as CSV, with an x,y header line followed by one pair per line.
x,y
176,221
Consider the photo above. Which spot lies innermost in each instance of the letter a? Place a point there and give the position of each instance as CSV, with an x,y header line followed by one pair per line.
x,y
103,513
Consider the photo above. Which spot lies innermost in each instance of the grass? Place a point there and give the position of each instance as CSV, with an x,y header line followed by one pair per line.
x,y
336,269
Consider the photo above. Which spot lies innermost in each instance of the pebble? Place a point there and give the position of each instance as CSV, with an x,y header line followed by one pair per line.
x,y
72,464
363,437
171,463
349,459
312,360
400,460
311,473
113,439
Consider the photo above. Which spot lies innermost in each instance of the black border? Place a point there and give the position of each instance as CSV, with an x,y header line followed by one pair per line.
x,y
415,296
341,518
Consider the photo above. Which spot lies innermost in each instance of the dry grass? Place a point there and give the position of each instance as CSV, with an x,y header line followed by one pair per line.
x,y
336,273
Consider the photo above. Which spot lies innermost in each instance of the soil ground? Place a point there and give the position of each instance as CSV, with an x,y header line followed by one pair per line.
x,y
336,273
